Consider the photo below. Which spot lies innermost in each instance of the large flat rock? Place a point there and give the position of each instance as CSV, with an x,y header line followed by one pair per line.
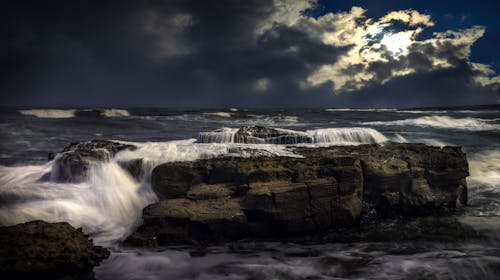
x,y
329,188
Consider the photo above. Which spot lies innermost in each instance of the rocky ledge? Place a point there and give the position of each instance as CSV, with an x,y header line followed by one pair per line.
x,y
231,198
48,251
74,161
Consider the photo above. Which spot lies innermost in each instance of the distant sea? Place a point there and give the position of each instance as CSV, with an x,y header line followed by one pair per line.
x,y
108,205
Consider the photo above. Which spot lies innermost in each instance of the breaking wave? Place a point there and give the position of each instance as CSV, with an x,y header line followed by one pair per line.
x,y
49,113
484,183
109,203
360,110
474,124
331,136
115,113
71,113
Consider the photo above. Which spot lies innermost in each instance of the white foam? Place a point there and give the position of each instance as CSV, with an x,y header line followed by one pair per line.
x,y
347,136
360,110
108,205
330,136
115,113
473,124
220,114
49,113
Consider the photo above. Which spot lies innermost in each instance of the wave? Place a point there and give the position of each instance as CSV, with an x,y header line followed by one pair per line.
x,y
474,124
220,114
49,113
360,110
330,136
72,113
109,203
115,113
484,183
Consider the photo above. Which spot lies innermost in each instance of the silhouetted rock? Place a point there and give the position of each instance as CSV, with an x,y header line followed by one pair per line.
x,y
44,250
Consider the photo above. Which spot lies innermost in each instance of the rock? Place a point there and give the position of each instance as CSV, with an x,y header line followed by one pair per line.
x,y
73,163
261,134
274,197
48,251
255,135
228,198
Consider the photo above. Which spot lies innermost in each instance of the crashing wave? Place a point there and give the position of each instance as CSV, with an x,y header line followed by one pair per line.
x,y
72,113
268,135
115,113
360,110
49,113
474,124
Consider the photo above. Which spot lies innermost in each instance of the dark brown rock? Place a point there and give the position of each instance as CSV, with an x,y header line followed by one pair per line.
x,y
48,251
73,163
329,188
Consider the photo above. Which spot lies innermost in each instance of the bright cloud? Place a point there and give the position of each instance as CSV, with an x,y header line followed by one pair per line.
x,y
383,49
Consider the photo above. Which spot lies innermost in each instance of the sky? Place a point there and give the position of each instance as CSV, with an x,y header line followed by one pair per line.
x,y
249,53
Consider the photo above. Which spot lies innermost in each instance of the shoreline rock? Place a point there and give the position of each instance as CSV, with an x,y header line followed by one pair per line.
x,y
47,250
74,161
330,188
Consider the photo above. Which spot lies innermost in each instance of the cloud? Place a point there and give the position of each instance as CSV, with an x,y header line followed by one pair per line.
x,y
233,53
380,52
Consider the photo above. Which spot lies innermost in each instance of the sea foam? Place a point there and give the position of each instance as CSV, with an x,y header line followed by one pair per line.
x,y
473,124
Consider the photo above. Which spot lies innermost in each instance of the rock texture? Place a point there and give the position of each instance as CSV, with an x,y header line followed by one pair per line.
x,y
73,163
47,251
329,188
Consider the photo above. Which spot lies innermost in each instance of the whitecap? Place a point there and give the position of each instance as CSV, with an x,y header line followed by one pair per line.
x,y
474,124
49,113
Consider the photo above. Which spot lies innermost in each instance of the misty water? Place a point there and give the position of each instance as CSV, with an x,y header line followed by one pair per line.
x,y
108,204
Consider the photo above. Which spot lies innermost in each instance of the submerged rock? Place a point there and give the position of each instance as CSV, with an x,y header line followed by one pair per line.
x,y
48,251
73,163
329,188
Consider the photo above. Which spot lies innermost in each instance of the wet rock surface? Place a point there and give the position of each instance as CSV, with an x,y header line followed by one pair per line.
x,y
261,134
47,251
73,163
274,197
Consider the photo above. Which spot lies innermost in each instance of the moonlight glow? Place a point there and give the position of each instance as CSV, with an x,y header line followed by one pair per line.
x,y
397,43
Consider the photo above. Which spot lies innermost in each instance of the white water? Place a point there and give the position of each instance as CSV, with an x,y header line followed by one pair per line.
x,y
108,205
332,136
484,184
360,110
49,113
472,124
346,136
115,113
220,114
70,113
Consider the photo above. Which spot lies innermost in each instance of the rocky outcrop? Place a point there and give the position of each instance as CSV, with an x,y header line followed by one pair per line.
x,y
47,251
73,163
329,188
261,134
255,134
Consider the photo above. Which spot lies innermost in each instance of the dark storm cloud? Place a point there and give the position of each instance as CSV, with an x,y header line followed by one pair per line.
x,y
214,54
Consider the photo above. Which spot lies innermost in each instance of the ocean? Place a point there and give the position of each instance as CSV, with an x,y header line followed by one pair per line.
x,y
108,204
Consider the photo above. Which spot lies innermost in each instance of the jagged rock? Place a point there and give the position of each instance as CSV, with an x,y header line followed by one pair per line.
x,y
73,163
48,251
330,188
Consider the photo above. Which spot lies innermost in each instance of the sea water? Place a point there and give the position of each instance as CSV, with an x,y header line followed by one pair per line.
x,y
108,205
